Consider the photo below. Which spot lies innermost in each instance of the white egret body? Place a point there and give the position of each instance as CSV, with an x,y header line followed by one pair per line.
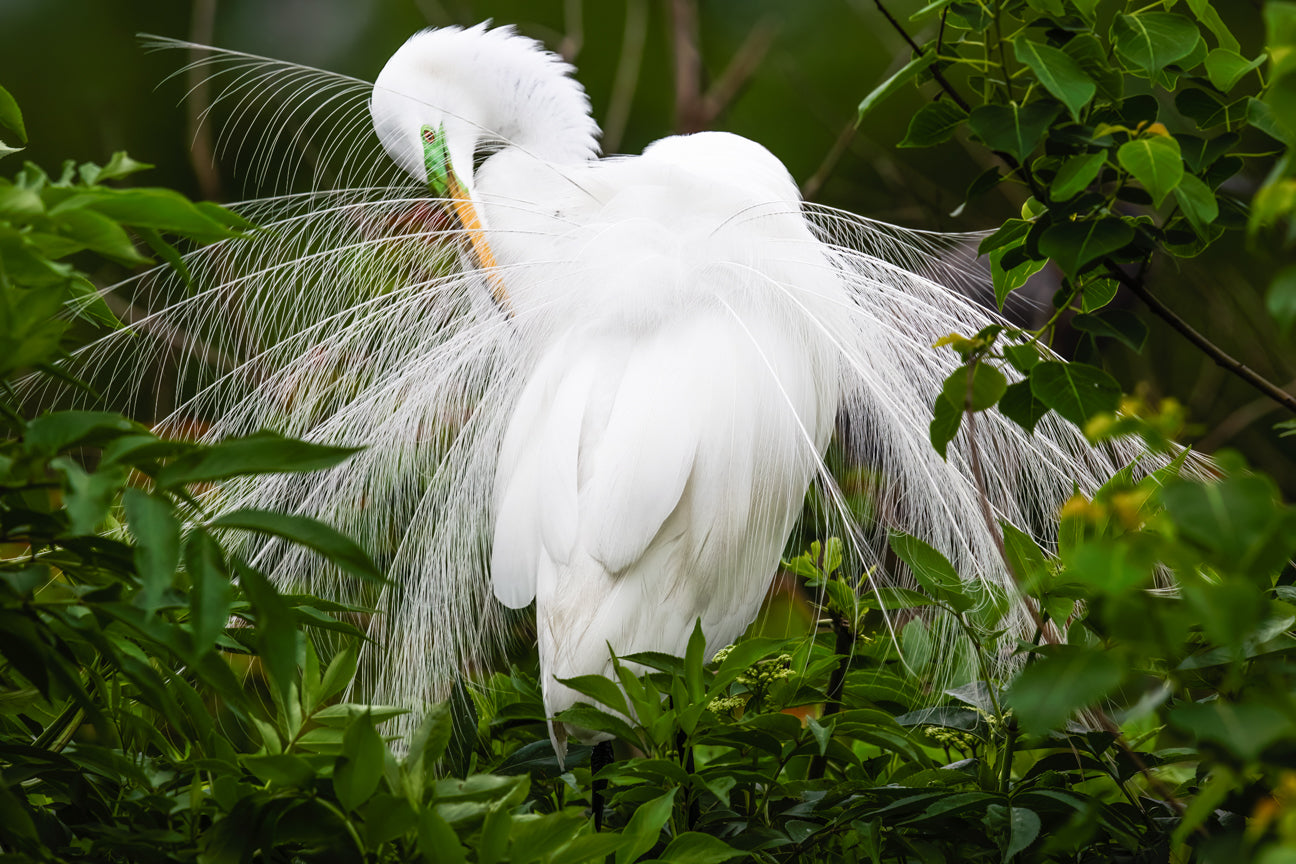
x,y
611,403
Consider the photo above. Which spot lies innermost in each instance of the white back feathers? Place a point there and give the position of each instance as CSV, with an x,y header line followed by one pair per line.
x,y
629,438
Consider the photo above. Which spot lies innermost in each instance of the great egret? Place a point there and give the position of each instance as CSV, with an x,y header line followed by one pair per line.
x,y
602,384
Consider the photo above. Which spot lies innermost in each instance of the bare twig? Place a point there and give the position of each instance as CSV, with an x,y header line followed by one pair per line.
x,y
574,36
937,74
811,187
742,66
626,80
202,153
688,66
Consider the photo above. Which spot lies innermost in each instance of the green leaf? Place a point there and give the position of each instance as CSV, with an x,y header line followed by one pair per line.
x,y
1244,729
340,671
212,592
1010,233
1118,324
1155,161
644,827
933,123
324,539
1076,391
932,571
1090,55
1281,298
1019,405
694,847
1225,68
161,209
1076,174
974,387
903,76
1074,245
1059,74
438,841
1113,568
599,689
100,234
87,497
1240,519
1064,680
1147,42
1015,828
387,817
259,453
493,842
946,419
1007,281
1205,13
281,770
276,630
360,767
11,116
120,165
1012,128
50,433
1197,202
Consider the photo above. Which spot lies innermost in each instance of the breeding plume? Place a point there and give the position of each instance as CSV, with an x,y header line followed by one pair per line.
x,y
602,386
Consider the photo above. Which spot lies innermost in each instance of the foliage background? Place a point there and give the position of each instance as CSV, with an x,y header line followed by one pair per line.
x,y
89,89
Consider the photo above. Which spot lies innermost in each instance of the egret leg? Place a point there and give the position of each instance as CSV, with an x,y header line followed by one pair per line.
x,y
600,758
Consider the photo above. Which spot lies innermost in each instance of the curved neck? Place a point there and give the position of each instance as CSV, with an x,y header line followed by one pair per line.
x,y
486,87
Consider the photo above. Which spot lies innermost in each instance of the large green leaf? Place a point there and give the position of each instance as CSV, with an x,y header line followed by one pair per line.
x,y
1074,245
1059,74
1155,161
644,827
11,116
1147,42
260,453
1205,13
974,387
1225,68
1065,680
1012,128
932,571
933,123
1197,202
324,539
1075,175
1077,391
360,767
903,76
156,529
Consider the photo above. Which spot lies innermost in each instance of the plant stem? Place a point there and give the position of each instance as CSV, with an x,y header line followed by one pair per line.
x,y
937,74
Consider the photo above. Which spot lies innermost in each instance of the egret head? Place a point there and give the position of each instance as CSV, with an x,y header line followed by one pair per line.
x,y
446,94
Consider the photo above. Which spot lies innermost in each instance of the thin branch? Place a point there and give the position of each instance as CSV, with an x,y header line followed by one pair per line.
x,y
626,80
201,153
1221,358
811,187
745,62
937,74
688,65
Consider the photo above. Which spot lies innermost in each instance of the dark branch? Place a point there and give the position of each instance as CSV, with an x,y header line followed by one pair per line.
x,y
1209,348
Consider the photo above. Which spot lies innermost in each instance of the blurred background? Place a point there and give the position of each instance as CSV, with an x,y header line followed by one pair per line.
x,y
787,74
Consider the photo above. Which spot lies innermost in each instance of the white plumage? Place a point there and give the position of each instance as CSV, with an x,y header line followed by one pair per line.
x,y
626,432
